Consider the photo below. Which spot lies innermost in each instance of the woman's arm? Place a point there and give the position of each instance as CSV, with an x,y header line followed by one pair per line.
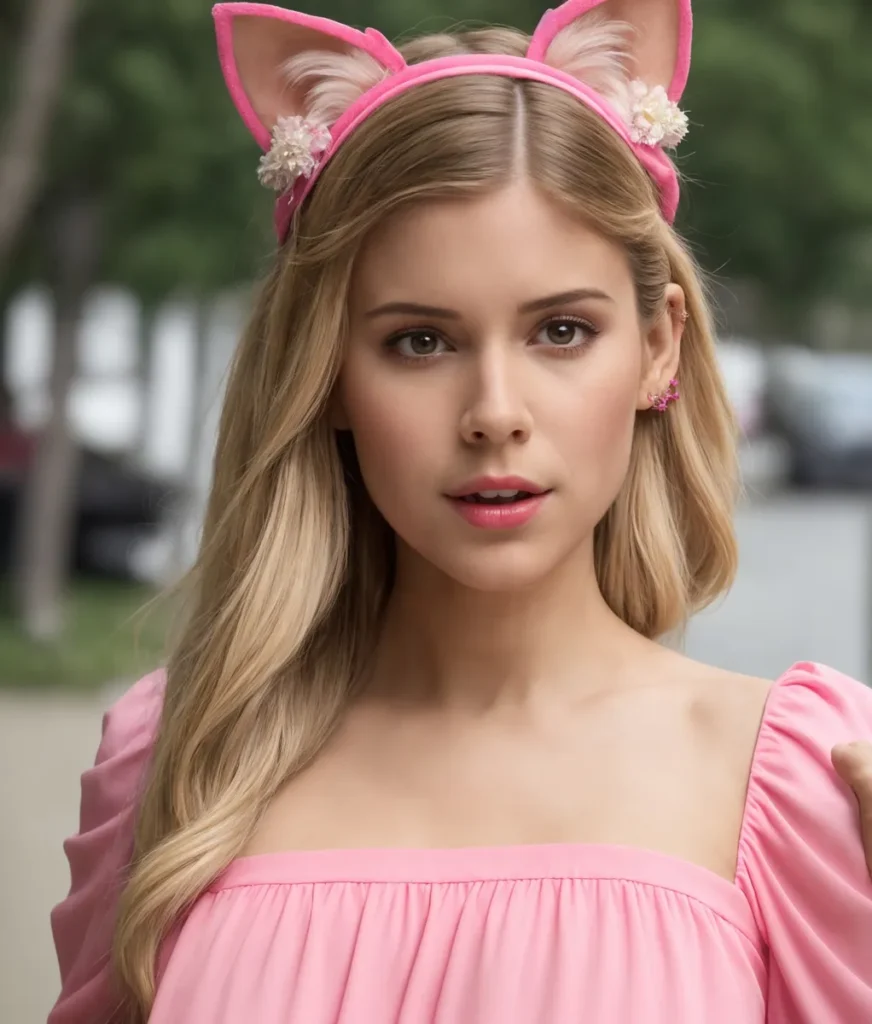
x,y
800,865
99,855
853,762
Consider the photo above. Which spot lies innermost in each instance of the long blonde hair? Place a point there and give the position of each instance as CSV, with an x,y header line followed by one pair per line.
x,y
295,562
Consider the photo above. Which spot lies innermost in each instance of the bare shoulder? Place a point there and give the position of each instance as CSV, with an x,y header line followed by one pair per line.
x,y
721,713
725,708
730,696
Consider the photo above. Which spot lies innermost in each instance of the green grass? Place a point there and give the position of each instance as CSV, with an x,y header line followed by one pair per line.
x,y
105,640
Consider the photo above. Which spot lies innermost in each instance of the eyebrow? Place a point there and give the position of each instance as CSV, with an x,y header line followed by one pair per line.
x,y
537,305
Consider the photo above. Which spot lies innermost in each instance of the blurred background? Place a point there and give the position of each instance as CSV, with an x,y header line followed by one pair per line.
x,y
132,229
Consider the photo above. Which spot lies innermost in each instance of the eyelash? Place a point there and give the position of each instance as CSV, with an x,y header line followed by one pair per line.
x,y
593,332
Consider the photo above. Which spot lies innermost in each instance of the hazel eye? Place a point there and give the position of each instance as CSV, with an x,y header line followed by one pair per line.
x,y
566,333
417,344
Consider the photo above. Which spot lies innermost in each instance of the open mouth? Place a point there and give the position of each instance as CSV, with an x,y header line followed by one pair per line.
x,y
496,497
499,510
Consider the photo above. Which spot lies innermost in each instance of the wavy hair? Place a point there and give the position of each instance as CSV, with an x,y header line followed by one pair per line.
x,y
295,563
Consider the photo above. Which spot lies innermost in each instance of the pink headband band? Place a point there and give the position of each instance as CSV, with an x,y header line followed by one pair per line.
x,y
256,40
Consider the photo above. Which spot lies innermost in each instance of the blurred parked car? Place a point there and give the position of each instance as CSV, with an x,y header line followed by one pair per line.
x,y
822,404
744,369
117,507
763,456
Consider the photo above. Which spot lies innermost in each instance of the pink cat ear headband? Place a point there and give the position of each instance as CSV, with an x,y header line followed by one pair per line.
x,y
256,42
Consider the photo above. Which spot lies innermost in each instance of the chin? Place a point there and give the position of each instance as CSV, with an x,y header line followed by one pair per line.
x,y
500,569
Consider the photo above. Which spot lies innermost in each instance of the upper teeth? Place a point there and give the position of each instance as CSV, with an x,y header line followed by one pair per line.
x,y
497,494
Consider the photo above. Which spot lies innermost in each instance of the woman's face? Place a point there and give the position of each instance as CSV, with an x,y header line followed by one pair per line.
x,y
496,338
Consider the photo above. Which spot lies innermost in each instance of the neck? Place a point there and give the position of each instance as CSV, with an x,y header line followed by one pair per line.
x,y
448,644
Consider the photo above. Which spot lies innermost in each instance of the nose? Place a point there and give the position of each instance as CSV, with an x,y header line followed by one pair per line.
x,y
496,411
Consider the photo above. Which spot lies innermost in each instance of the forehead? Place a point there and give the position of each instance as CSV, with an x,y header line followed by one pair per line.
x,y
511,242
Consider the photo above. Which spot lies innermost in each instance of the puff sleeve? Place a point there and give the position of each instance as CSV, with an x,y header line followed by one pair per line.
x,y
99,854
801,862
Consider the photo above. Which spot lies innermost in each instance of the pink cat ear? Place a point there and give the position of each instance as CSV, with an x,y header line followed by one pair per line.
x,y
661,42
256,40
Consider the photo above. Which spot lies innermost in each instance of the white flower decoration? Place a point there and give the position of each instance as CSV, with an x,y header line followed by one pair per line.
x,y
297,145
654,119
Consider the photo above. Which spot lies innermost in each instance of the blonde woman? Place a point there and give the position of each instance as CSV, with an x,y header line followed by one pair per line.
x,y
419,755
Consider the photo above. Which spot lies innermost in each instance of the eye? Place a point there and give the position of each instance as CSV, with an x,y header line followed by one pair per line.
x,y
416,345
566,332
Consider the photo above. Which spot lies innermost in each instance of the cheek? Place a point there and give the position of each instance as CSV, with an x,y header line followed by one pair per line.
x,y
388,425
596,436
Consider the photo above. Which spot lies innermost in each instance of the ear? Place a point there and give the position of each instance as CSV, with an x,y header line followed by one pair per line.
x,y
660,45
255,43
662,347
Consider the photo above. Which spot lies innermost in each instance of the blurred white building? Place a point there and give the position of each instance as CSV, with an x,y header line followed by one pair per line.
x,y
120,406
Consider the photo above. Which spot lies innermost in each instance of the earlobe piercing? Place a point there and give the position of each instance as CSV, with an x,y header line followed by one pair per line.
x,y
662,401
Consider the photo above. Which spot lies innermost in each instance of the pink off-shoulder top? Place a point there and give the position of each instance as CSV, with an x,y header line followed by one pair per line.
x,y
519,935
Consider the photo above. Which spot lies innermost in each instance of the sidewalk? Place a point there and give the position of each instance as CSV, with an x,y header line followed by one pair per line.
x,y
46,742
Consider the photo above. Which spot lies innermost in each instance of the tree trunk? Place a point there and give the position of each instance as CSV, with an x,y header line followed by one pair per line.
x,y
49,499
42,58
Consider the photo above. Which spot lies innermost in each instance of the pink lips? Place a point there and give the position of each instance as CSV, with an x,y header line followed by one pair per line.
x,y
496,483
499,517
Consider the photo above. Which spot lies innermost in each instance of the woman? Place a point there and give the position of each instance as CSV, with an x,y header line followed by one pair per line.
x,y
419,754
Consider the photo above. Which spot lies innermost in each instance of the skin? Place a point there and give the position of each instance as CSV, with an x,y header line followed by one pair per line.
x,y
506,703
853,762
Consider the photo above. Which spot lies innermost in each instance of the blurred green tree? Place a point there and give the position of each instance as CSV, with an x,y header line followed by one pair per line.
x,y
149,185
781,99
34,45
31,92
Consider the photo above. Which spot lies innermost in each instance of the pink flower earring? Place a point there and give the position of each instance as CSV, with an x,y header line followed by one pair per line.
x,y
662,401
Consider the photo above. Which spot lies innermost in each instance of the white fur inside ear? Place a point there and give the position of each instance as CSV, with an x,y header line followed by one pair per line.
x,y
332,81
596,50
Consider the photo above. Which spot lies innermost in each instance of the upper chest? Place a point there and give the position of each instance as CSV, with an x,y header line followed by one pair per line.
x,y
658,769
